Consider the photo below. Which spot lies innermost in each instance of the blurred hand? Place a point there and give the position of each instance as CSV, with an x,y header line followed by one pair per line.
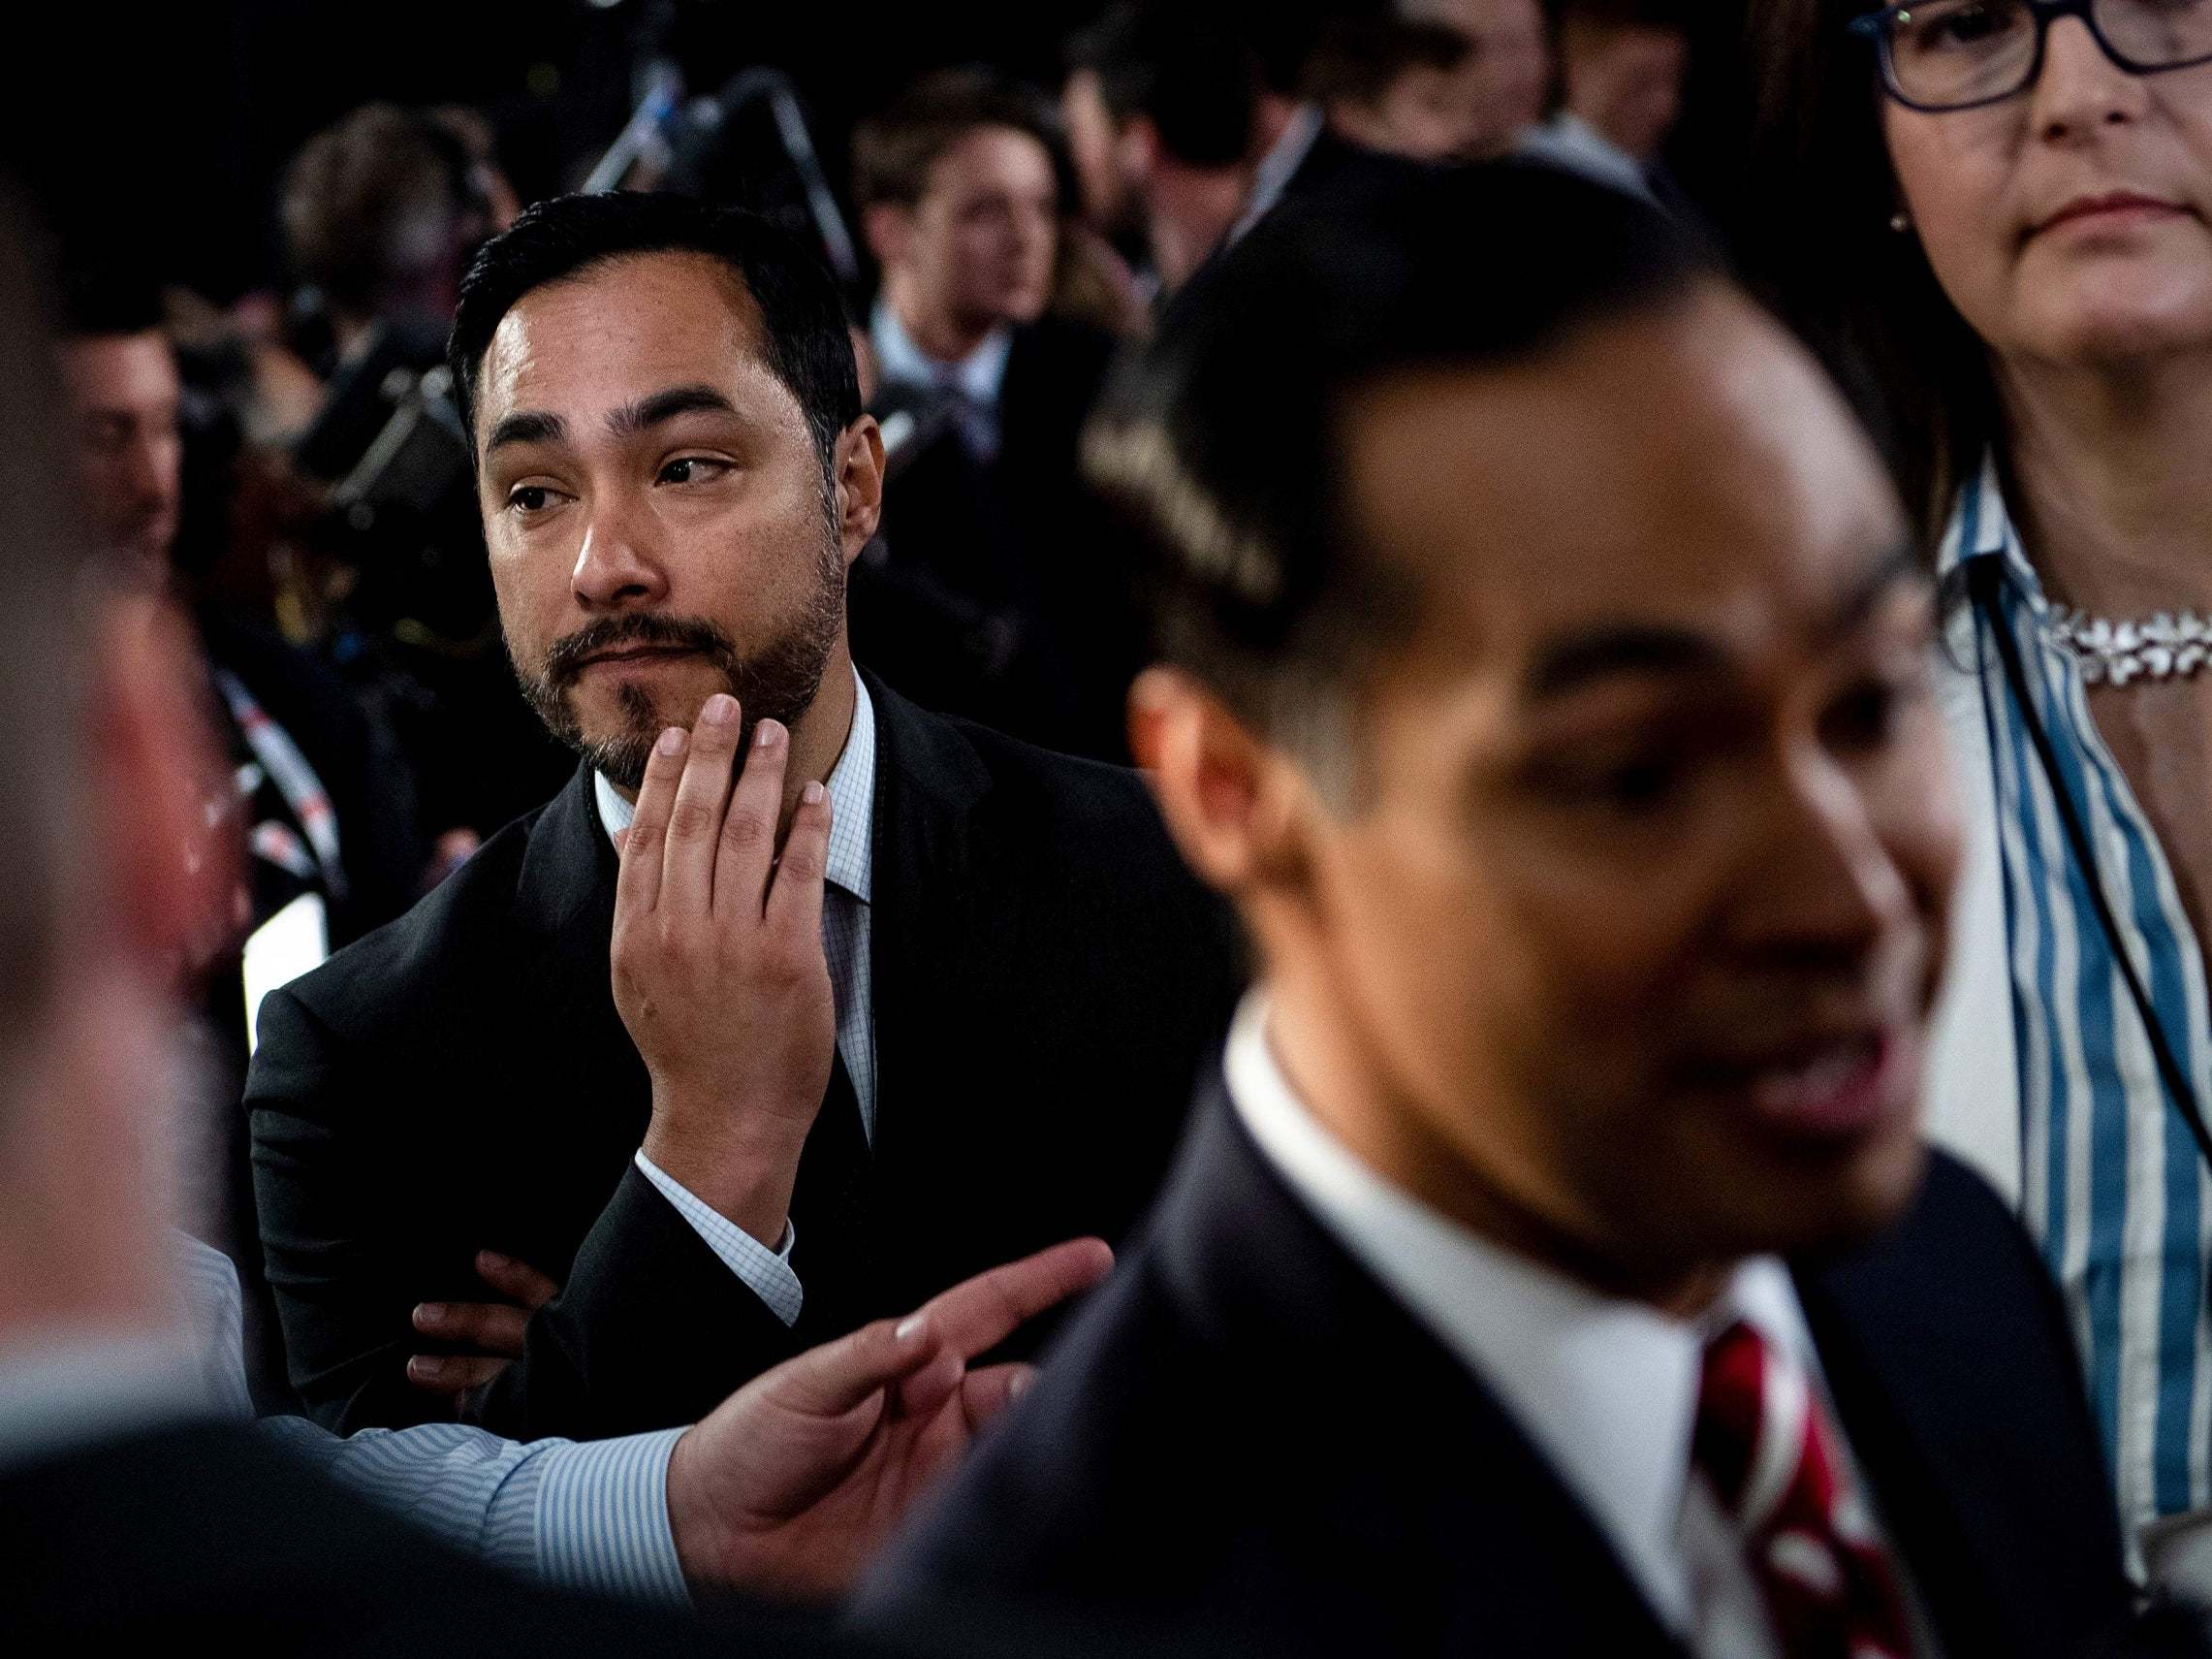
x,y
494,1330
796,1479
718,968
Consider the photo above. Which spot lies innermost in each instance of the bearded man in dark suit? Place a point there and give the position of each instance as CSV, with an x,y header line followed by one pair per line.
x,y
675,475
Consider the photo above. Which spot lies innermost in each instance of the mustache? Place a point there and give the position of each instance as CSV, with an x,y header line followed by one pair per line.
x,y
565,658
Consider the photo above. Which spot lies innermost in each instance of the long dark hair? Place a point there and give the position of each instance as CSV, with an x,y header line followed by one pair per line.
x,y
1819,245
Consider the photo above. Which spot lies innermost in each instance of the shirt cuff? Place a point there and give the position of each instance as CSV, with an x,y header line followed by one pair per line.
x,y
764,1272
597,1517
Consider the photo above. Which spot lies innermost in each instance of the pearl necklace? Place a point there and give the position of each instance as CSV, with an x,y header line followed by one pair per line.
x,y
2164,648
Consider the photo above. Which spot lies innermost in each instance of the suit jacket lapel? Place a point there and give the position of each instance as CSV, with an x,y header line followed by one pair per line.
x,y
564,909
925,966
1446,1489
1907,1330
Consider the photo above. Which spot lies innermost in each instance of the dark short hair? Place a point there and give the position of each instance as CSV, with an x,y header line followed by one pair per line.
x,y
894,149
1359,58
1220,447
103,296
1196,82
1817,244
351,197
803,319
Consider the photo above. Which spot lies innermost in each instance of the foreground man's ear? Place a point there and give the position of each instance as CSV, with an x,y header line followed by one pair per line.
x,y
1235,807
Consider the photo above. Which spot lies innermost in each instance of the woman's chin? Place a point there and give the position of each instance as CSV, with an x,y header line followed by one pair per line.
x,y
2122,315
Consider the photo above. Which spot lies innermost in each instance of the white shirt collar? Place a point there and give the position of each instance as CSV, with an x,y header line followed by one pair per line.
x,y
1607,1388
1568,141
977,376
69,1387
1283,158
851,787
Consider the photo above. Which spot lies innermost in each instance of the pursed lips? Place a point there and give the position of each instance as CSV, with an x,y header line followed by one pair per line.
x,y
2105,205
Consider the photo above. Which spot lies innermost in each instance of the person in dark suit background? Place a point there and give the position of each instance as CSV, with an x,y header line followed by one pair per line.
x,y
1555,1266
1021,976
961,183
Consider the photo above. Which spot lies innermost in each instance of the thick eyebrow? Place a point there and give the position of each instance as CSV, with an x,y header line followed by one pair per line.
x,y
632,419
525,426
1663,650
1899,563
1600,653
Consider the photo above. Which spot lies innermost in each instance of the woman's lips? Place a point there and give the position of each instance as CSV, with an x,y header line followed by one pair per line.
x,y
2113,209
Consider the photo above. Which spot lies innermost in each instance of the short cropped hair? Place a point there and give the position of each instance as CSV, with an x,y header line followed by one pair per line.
x,y
102,299
1196,82
1220,447
357,196
894,149
1360,59
803,318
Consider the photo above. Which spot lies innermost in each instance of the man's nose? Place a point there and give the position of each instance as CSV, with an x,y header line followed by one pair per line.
x,y
1824,888
615,570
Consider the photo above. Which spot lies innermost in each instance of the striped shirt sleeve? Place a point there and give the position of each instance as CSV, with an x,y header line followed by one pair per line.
x,y
584,1515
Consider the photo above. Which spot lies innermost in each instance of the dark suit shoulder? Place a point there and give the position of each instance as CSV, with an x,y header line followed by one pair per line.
x,y
1067,807
413,960
1064,1507
214,1533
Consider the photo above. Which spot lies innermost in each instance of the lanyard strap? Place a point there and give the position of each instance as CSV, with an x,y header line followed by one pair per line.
x,y
1984,579
290,771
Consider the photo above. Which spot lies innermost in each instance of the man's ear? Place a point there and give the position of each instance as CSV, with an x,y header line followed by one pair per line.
x,y
885,226
859,462
163,801
1235,807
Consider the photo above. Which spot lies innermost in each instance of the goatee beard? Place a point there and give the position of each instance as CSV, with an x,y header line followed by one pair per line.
x,y
779,682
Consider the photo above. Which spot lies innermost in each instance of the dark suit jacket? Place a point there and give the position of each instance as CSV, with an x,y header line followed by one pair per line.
x,y
1046,978
208,1539
1011,541
1246,1441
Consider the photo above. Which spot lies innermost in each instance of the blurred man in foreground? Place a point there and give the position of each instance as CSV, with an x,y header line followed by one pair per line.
x,y
1555,1265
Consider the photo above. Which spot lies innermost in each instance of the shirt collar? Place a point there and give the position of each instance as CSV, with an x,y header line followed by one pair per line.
x,y
977,376
1982,524
1284,157
1607,1388
70,1387
851,788
1568,141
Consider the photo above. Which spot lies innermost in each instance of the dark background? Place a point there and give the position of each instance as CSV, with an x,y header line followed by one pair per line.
x,y
166,127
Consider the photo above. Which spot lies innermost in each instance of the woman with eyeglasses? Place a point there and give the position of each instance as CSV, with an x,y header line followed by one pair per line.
x,y
1994,218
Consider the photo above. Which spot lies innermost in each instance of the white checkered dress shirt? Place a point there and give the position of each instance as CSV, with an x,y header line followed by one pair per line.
x,y
850,876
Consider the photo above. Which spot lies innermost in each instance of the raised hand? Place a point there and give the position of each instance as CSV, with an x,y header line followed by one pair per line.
x,y
797,1478
718,968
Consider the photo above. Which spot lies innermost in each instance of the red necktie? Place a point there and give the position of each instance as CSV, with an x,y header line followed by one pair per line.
x,y
1764,1442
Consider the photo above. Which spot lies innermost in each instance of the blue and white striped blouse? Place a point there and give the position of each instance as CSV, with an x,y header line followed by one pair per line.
x,y
2109,1179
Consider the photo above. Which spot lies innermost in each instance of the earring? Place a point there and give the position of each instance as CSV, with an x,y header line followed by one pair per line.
x,y
1901,221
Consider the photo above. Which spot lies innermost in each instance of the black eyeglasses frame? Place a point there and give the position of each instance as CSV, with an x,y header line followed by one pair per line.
x,y
1876,26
